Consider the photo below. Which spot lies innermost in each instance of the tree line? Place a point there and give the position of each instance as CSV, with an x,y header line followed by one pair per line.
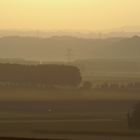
x,y
47,75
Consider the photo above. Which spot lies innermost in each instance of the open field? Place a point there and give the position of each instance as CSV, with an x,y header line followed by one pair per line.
x,y
29,94
66,119
69,114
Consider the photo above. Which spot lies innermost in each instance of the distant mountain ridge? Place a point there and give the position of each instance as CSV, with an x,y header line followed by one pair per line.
x,y
56,48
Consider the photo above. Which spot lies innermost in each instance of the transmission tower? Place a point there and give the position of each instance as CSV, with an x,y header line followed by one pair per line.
x,y
69,55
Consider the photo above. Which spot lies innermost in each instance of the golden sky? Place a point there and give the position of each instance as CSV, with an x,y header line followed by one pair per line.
x,y
68,14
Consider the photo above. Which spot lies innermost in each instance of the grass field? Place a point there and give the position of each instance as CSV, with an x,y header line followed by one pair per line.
x,y
70,114
68,94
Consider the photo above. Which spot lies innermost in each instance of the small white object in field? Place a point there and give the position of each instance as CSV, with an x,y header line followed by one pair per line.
x,y
49,110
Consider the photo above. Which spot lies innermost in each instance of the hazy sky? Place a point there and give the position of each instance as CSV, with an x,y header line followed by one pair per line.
x,y
69,14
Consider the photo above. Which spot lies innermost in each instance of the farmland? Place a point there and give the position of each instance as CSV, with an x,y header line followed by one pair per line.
x,y
67,113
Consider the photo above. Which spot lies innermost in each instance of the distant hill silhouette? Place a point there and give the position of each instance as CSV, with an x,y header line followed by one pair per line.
x,y
55,48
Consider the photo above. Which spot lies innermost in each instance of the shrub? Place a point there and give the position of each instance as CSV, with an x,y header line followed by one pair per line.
x,y
87,85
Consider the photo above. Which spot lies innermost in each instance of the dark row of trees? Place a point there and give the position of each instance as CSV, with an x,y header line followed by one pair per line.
x,y
48,75
116,85
134,117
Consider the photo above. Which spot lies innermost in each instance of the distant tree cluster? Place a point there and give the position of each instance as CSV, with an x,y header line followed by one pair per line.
x,y
87,85
117,85
47,75
134,117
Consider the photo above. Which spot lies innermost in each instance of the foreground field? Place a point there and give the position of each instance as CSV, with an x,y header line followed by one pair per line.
x,y
87,119
69,114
